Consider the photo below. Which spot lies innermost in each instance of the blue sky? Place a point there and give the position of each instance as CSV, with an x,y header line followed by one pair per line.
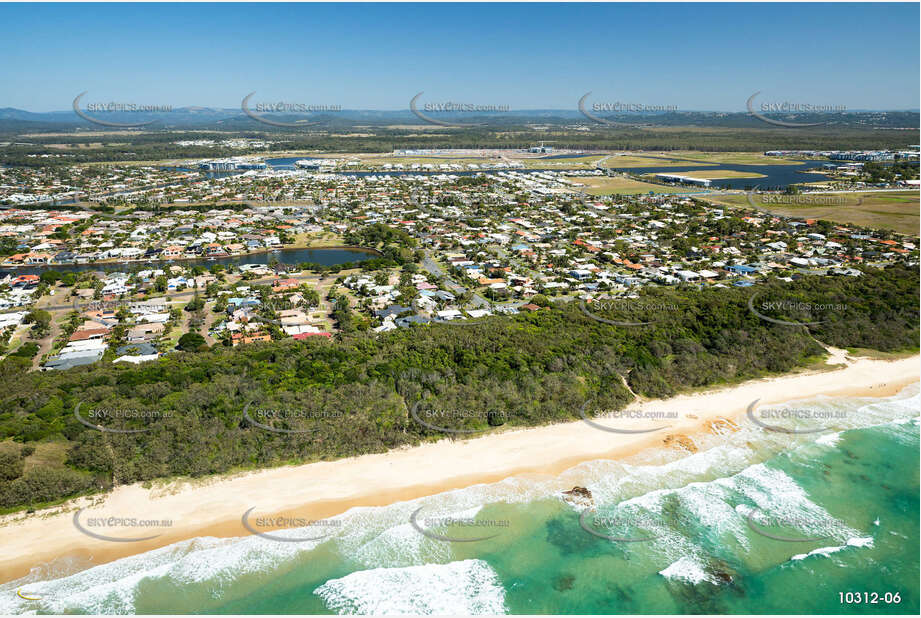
x,y
527,56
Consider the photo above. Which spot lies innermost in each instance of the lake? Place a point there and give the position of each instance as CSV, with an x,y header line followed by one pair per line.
x,y
774,176
327,257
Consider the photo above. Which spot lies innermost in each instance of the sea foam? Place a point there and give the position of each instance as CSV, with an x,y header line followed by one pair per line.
x,y
467,587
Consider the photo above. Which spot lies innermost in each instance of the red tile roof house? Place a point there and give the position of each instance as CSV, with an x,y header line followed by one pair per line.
x,y
285,284
90,334
215,249
302,336
24,280
38,258
16,258
238,338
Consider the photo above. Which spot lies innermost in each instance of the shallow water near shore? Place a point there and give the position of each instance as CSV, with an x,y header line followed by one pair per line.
x,y
754,522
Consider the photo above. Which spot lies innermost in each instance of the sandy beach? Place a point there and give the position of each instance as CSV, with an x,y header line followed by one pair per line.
x,y
214,506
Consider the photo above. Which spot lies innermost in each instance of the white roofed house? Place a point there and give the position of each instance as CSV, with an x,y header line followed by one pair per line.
x,y
117,287
11,319
425,303
152,305
300,329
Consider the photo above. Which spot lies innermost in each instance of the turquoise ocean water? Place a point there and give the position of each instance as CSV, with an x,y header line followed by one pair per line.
x,y
754,522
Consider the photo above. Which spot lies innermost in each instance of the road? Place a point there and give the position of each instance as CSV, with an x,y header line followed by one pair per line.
x,y
168,295
433,268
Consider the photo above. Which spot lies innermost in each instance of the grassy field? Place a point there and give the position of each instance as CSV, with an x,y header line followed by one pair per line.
x,y
714,174
639,160
741,158
690,157
319,239
607,185
892,210
569,163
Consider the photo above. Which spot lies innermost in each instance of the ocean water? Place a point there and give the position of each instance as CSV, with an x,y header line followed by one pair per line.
x,y
754,522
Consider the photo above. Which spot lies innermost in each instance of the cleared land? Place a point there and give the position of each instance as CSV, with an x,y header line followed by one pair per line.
x,y
638,160
893,210
741,158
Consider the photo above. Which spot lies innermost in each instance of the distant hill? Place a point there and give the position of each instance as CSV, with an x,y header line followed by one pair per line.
x,y
223,119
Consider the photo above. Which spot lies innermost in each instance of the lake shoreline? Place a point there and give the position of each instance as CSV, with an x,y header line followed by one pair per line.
x,y
4,267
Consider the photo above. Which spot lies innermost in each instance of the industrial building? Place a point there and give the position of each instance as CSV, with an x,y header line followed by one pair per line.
x,y
684,180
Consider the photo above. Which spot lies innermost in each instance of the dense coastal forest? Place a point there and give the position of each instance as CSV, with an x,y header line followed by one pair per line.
x,y
355,394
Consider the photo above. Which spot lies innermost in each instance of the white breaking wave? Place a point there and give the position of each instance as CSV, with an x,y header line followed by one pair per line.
x,y
827,551
687,569
465,588
830,439
111,588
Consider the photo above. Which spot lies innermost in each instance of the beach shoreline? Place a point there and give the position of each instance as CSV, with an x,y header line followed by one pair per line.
x,y
214,506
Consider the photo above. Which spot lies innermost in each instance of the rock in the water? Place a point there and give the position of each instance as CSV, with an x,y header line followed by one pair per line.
x,y
579,496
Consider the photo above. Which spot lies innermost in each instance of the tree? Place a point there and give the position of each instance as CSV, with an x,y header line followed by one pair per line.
x,y
40,320
190,342
311,297
50,277
196,304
